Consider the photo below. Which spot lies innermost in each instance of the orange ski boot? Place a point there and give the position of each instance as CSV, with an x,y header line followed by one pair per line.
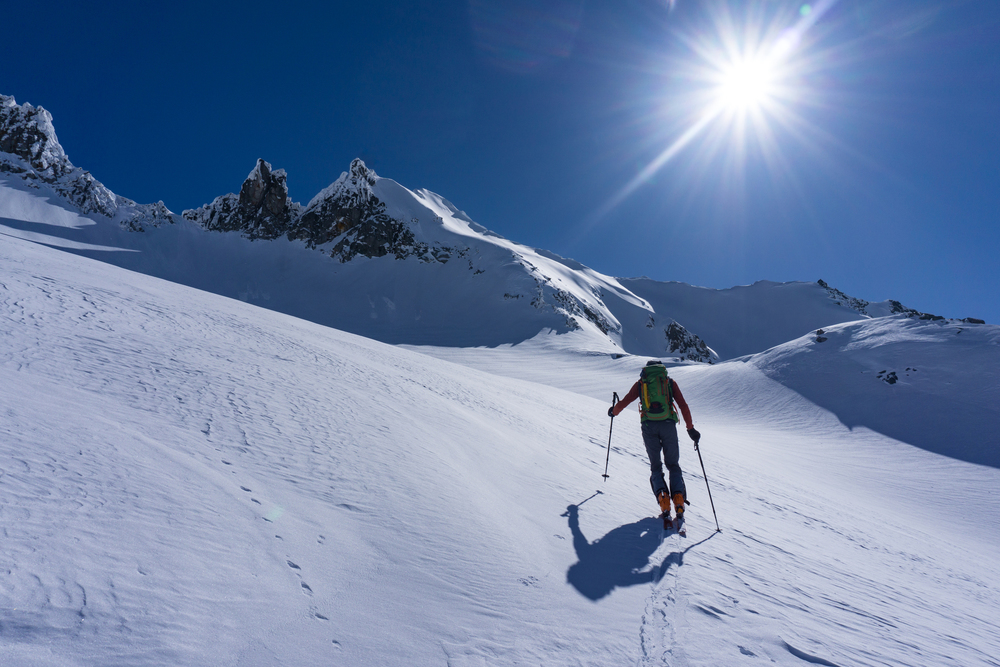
x,y
664,501
679,509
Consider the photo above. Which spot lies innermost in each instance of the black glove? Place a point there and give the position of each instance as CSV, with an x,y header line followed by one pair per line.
x,y
694,435
611,412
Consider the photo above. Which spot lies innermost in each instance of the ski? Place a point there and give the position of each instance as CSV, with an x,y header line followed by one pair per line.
x,y
674,525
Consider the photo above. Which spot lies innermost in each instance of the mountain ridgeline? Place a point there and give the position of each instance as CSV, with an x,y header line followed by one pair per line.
x,y
347,216
372,257
31,152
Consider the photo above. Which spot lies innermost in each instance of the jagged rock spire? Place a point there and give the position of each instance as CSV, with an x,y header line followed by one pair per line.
x,y
262,210
347,214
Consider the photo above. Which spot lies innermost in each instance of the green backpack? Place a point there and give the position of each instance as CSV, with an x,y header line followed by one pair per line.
x,y
655,395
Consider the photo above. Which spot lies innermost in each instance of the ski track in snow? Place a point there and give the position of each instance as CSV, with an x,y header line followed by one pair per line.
x,y
657,635
775,597
186,479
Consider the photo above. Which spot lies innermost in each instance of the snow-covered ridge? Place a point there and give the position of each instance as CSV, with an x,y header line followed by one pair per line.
x,y
30,151
370,256
934,383
362,216
883,308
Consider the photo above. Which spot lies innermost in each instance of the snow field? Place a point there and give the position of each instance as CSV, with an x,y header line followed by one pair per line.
x,y
285,493
839,546
186,479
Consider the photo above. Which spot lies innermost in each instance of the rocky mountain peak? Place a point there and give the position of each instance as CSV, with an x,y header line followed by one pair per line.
x,y
262,209
347,214
343,206
260,183
30,150
354,188
27,132
359,173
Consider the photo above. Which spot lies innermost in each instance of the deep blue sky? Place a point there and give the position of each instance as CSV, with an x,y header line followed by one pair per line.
x,y
881,175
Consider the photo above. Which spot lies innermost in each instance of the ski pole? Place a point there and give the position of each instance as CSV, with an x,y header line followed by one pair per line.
x,y
614,400
703,474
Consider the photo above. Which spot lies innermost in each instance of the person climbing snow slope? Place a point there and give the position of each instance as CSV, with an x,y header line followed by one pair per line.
x,y
657,393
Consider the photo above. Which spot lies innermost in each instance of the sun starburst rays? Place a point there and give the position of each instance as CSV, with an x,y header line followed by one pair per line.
x,y
741,86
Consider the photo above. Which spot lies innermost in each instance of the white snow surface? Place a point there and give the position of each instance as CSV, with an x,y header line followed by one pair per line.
x,y
18,203
186,479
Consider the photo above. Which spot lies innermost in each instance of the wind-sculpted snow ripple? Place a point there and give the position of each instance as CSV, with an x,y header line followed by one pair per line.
x,y
207,445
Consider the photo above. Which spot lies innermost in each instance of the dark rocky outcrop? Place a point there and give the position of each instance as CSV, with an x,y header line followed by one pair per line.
x,y
347,214
841,299
900,309
861,306
343,206
686,345
30,150
262,210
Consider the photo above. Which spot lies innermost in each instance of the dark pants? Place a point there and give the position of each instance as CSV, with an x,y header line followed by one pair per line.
x,y
661,436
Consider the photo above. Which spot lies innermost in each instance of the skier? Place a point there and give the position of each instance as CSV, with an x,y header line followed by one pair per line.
x,y
657,393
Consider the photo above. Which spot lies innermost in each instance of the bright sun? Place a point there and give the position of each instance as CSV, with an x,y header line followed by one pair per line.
x,y
747,84
746,78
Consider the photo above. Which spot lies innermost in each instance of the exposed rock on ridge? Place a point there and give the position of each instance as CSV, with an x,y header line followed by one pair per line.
x,y
341,206
346,214
864,307
686,345
683,344
262,210
349,213
30,150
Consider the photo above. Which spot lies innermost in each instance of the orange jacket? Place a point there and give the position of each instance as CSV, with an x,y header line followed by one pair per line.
x,y
675,392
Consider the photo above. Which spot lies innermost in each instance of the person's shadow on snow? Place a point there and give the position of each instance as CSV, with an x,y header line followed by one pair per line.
x,y
619,559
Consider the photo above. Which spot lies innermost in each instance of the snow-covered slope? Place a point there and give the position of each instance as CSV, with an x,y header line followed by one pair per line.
x,y
188,479
751,318
370,256
446,281
934,384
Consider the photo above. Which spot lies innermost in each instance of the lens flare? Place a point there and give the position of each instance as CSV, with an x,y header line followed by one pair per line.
x,y
523,36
